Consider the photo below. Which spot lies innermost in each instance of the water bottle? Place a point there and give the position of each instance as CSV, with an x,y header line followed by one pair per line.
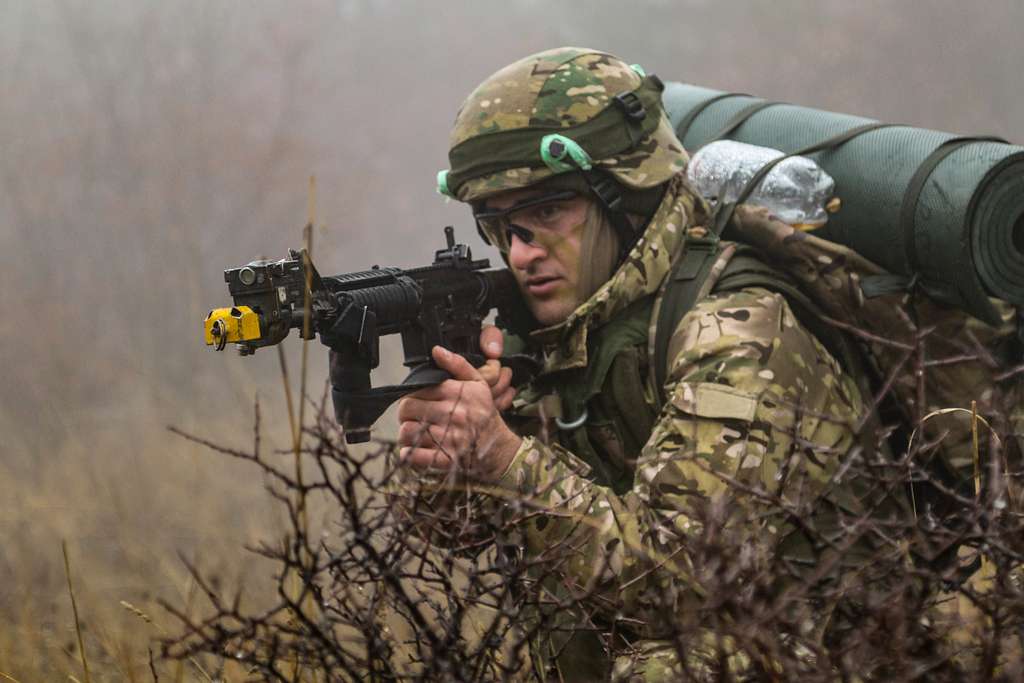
x,y
797,191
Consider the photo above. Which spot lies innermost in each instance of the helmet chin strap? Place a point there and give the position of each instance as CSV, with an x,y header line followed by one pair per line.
x,y
609,197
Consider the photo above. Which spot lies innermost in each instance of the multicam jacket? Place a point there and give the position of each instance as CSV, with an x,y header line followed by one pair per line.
x,y
753,402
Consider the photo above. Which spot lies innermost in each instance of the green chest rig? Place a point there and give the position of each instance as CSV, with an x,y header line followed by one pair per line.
x,y
606,411
608,408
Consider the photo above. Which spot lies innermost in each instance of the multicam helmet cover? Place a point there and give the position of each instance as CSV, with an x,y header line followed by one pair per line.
x,y
556,111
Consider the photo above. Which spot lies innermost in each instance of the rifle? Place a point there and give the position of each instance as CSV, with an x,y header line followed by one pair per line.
x,y
444,304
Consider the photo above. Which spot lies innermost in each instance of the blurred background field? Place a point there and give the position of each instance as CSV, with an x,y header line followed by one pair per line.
x,y
145,146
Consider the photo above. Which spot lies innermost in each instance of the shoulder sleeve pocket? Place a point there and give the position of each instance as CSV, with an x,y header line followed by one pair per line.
x,y
715,401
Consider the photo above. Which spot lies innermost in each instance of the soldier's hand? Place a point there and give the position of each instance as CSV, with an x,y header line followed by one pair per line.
x,y
456,424
492,342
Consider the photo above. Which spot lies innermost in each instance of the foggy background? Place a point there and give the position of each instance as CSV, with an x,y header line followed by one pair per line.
x,y
146,146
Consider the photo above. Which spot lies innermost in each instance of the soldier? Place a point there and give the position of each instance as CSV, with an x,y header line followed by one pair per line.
x,y
574,174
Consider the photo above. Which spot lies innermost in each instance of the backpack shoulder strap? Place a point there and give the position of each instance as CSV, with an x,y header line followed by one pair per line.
x,y
679,293
748,269
744,268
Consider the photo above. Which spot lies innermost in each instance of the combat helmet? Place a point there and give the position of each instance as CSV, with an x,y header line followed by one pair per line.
x,y
566,111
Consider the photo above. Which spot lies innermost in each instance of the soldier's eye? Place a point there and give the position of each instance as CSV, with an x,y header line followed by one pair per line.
x,y
548,213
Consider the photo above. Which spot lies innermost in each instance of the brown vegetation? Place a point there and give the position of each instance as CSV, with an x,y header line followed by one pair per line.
x,y
406,581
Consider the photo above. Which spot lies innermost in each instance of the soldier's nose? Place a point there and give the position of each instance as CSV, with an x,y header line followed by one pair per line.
x,y
522,254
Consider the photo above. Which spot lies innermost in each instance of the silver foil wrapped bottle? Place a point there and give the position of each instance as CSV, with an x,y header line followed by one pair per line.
x,y
796,191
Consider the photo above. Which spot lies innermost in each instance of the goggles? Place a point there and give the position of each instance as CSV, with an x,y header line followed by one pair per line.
x,y
497,226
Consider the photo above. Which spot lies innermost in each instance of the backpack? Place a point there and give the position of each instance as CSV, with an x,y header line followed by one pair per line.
x,y
881,337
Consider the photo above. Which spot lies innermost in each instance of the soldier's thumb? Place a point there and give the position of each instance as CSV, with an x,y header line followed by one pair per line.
x,y
456,365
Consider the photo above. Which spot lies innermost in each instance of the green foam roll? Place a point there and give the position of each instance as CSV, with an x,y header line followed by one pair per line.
x,y
917,202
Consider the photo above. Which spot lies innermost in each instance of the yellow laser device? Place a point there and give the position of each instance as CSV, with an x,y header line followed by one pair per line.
x,y
234,324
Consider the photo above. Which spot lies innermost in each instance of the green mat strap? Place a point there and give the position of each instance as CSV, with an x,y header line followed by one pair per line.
x,y
684,126
739,118
908,209
873,286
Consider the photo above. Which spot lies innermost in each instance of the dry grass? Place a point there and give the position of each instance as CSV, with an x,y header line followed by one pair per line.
x,y
135,505
129,504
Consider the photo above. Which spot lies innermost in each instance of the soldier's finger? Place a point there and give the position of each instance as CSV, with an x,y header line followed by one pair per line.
x,y
459,367
420,409
492,342
448,390
442,413
424,435
490,371
411,408
504,400
425,458
503,382
434,393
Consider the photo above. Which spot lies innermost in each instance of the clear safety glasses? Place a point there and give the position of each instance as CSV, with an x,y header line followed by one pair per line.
x,y
497,226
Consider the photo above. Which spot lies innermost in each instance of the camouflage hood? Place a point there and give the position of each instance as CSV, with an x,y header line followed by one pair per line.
x,y
564,345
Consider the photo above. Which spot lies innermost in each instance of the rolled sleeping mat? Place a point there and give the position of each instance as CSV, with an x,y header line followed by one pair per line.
x,y
947,209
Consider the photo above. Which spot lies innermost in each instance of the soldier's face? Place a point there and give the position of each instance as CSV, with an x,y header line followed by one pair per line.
x,y
546,267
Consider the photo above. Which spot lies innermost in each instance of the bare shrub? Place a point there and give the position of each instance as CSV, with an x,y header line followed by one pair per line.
x,y
409,578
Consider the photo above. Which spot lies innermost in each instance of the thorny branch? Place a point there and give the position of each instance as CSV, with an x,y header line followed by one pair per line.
x,y
429,580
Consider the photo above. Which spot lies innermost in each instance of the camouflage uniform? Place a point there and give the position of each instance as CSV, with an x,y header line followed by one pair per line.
x,y
751,398
747,383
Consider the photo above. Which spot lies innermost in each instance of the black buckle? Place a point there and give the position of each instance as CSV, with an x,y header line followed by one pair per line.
x,y
607,192
631,106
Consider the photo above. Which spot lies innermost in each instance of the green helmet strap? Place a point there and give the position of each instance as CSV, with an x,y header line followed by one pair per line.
x,y
618,128
555,148
442,184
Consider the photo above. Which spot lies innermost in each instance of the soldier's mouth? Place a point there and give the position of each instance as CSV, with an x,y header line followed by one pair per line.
x,y
539,286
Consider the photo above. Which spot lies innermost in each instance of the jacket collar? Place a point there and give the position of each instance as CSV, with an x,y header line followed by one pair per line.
x,y
564,346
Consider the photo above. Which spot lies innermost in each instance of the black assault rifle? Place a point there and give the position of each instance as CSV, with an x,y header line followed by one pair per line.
x,y
444,303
